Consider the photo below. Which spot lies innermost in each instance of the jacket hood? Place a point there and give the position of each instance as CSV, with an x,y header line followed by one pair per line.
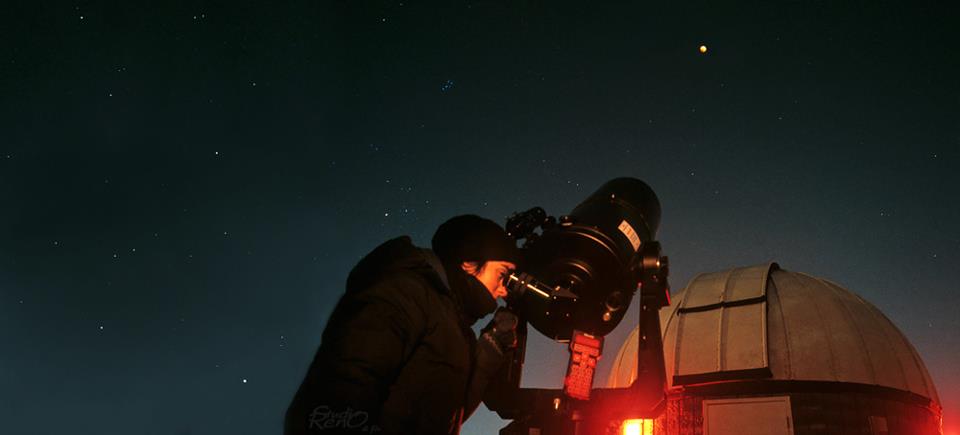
x,y
397,255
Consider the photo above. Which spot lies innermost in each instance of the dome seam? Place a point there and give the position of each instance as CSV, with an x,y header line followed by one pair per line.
x,y
867,357
783,323
722,320
918,362
825,331
883,320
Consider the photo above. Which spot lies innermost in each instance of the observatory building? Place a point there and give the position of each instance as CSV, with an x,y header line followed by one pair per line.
x,y
762,350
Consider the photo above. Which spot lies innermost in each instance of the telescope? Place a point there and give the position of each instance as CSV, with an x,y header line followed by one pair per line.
x,y
576,278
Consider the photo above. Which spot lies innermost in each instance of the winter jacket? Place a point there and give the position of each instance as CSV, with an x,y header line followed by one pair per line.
x,y
396,356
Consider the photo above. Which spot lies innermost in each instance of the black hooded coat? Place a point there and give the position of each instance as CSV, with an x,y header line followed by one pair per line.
x,y
397,354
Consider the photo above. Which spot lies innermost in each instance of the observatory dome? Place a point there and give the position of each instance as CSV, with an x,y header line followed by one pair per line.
x,y
763,323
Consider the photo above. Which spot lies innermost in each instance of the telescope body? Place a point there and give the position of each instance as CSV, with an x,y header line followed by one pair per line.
x,y
576,281
594,253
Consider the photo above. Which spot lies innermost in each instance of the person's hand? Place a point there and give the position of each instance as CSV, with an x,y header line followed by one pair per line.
x,y
502,330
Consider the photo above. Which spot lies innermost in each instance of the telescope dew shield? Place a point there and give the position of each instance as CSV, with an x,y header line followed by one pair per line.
x,y
590,261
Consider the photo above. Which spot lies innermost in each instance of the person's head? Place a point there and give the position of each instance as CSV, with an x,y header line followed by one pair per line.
x,y
491,274
478,247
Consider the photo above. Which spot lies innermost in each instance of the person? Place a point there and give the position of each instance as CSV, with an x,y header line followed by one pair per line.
x,y
398,354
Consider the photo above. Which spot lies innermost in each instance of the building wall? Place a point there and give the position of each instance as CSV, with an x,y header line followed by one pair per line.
x,y
816,413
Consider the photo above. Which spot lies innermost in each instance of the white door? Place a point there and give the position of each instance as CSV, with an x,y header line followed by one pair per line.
x,y
748,416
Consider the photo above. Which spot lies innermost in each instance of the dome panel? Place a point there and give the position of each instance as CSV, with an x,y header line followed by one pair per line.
x,y
765,322
726,311
728,287
746,323
811,329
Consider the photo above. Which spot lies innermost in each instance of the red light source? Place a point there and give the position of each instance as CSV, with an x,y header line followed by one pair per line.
x,y
639,426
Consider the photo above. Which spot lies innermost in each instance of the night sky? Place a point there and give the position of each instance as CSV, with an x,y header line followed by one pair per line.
x,y
183,189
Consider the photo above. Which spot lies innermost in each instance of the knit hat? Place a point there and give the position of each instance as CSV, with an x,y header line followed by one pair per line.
x,y
473,238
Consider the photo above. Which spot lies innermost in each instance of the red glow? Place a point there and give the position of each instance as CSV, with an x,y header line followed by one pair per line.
x,y
640,426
